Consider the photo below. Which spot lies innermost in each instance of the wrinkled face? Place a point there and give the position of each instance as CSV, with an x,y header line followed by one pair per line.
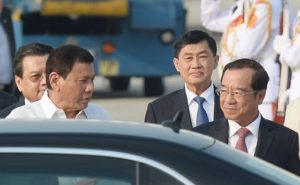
x,y
75,91
195,64
33,82
240,103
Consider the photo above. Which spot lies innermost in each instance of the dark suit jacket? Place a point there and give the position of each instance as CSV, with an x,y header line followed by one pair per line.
x,y
6,99
167,106
4,112
276,143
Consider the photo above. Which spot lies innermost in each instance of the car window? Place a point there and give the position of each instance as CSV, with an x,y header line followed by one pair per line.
x,y
45,169
79,166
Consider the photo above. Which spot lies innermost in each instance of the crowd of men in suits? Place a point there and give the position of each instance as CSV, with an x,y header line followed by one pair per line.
x,y
249,88
230,108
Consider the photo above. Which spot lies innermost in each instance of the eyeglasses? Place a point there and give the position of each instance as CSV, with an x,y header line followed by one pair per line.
x,y
234,93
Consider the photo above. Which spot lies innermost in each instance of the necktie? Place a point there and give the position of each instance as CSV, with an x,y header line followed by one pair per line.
x,y
201,114
241,144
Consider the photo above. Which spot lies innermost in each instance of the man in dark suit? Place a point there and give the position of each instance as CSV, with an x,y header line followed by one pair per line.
x,y
29,70
195,58
243,88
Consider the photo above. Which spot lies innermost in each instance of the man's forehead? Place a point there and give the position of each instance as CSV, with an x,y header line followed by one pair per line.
x,y
83,69
237,76
192,49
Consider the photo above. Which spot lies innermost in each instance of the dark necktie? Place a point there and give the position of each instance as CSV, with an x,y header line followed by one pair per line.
x,y
241,144
201,114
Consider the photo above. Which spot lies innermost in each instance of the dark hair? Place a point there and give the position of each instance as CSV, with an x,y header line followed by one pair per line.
x,y
260,77
33,49
194,37
62,59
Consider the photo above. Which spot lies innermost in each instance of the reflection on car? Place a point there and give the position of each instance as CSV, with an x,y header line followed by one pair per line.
x,y
90,152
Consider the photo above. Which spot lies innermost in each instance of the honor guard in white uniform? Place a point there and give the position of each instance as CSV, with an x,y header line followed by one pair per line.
x,y
249,28
5,58
289,50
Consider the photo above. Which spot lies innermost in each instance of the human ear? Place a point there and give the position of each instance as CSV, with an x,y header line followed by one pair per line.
x,y
18,81
216,61
260,96
176,63
54,79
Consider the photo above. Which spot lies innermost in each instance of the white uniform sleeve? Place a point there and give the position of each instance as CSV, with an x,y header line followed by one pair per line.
x,y
252,39
212,17
291,55
292,118
5,60
281,43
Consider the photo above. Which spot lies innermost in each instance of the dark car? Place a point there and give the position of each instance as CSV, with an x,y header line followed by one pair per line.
x,y
87,152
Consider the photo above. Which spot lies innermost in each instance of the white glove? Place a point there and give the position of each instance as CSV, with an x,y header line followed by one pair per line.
x,y
281,43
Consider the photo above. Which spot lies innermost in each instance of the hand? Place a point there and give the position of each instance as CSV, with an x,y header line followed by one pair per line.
x,y
281,43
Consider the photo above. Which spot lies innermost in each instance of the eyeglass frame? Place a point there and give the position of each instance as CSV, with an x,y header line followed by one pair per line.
x,y
234,93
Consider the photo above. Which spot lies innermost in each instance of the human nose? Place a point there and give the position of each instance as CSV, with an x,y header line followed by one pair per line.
x,y
196,62
90,86
43,80
229,97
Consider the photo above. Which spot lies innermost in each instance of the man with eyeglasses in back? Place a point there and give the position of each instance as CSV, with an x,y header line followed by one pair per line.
x,y
243,88
29,70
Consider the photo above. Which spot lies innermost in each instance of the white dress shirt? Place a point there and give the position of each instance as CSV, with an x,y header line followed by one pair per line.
x,y
26,101
208,104
45,108
251,138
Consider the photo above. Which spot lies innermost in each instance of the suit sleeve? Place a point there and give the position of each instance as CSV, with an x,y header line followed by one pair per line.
x,y
291,55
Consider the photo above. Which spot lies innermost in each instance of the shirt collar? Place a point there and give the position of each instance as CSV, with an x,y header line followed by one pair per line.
x,y
253,127
53,112
208,94
27,102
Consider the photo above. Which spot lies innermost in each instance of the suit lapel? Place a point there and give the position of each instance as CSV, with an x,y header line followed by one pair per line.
x,y
219,130
182,105
265,138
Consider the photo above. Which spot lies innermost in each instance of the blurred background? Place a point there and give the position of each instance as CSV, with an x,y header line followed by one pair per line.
x,y
132,43
132,105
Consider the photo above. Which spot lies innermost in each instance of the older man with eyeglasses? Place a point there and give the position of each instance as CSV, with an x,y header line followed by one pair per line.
x,y
243,88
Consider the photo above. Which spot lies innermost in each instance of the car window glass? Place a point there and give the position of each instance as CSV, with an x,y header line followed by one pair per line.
x,y
41,169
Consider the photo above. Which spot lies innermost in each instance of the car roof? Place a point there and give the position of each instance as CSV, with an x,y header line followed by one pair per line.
x,y
108,134
96,127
